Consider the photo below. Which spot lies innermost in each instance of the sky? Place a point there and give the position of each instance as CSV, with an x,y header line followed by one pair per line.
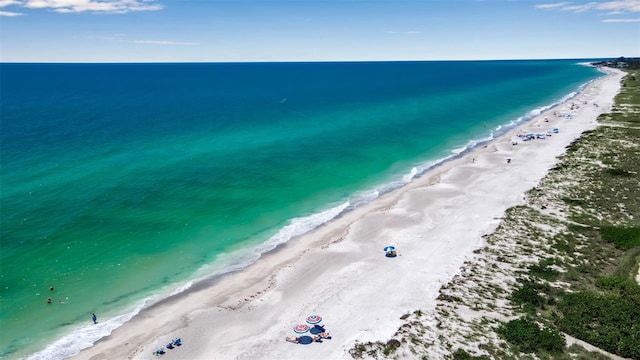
x,y
315,30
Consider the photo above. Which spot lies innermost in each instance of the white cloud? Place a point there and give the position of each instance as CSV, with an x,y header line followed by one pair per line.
x,y
4,3
621,20
96,6
10,13
625,5
552,6
620,6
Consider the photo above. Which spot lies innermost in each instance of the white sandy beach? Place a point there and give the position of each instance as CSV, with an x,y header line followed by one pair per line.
x,y
339,271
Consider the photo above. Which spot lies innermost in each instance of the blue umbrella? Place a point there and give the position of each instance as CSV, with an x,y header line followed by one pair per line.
x,y
389,248
305,340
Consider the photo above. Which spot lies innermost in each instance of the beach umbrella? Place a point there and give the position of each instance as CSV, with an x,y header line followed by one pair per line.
x,y
314,319
389,248
301,328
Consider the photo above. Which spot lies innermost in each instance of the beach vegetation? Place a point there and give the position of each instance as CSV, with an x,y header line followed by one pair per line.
x,y
358,350
623,237
603,306
375,349
609,320
601,246
573,147
577,352
543,270
629,264
391,346
528,295
461,354
575,202
529,337
416,340
565,246
618,172
449,298
620,286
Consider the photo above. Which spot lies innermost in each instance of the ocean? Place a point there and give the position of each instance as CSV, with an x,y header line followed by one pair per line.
x,y
122,184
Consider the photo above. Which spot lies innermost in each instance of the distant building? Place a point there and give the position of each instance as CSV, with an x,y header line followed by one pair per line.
x,y
620,63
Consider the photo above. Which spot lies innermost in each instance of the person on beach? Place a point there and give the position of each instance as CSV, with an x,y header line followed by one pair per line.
x,y
294,340
319,337
94,318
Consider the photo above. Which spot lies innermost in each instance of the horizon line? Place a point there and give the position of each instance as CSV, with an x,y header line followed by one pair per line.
x,y
299,61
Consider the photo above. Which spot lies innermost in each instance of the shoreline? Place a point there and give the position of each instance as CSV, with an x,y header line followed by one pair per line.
x,y
436,221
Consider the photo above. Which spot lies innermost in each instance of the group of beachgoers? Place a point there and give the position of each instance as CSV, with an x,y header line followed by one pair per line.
x,y
94,318
172,345
321,335
49,300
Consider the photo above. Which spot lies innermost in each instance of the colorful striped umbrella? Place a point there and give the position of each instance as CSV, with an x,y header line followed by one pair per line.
x,y
313,319
301,328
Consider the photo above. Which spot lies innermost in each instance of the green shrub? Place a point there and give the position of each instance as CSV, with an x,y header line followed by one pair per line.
x,y
577,202
461,354
543,271
528,337
618,172
528,294
620,286
622,237
610,321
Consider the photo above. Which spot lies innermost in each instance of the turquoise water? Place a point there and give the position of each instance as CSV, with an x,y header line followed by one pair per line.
x,y
123,183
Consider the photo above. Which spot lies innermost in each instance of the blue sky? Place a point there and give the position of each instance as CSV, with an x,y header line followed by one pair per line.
x,y
315,30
